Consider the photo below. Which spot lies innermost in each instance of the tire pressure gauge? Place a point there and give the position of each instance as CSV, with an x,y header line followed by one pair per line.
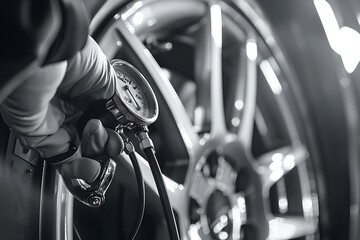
x,y
134,106
134,102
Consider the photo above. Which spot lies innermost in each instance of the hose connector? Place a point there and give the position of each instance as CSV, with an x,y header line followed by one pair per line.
x,y
142,134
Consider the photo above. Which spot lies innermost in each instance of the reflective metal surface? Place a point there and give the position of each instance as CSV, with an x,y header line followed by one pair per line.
x,y
56,207
238,80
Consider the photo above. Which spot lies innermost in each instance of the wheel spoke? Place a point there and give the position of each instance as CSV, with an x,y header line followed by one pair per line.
x,y
244,104
175,191
283,228
146,62
274,165
209,113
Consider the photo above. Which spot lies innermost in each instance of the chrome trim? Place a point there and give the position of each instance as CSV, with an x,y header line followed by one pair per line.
x,y
56,207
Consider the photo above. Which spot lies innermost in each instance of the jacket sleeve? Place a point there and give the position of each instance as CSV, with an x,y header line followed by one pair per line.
x,y
42,111
89,76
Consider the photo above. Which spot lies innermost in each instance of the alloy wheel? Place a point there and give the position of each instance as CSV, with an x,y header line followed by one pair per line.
x,y
234,157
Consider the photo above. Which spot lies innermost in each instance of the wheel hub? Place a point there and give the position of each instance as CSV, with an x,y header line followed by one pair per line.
x,y
221,179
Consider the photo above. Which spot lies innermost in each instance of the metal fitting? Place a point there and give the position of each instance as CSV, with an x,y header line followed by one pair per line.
x,y
129,147
144,139
146,143
96,200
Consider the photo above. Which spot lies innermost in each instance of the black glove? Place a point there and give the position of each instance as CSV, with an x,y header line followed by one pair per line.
x,y
97,144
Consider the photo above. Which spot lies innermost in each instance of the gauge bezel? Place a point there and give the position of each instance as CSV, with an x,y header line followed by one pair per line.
x,y
129,114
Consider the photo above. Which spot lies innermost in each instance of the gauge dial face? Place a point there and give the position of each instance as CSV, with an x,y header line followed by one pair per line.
x,y
132,94
135,97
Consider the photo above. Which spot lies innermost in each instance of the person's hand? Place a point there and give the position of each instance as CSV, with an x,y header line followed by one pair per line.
x,y
96,141
42,112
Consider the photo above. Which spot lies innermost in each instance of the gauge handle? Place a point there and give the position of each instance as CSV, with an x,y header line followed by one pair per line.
x,y
93,194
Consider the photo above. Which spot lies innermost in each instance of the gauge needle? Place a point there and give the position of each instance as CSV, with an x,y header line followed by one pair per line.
x,y
121,78
130,93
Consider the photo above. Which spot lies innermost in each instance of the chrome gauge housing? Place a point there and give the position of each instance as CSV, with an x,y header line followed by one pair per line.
x,y
134,103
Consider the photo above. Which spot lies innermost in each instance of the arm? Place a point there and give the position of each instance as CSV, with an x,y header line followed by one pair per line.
x,y
43,109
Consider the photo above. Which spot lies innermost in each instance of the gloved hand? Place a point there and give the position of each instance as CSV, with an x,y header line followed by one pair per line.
x,y
96,142
42,112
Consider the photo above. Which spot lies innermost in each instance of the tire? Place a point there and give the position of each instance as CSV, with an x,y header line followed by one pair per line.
x,y
231,136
